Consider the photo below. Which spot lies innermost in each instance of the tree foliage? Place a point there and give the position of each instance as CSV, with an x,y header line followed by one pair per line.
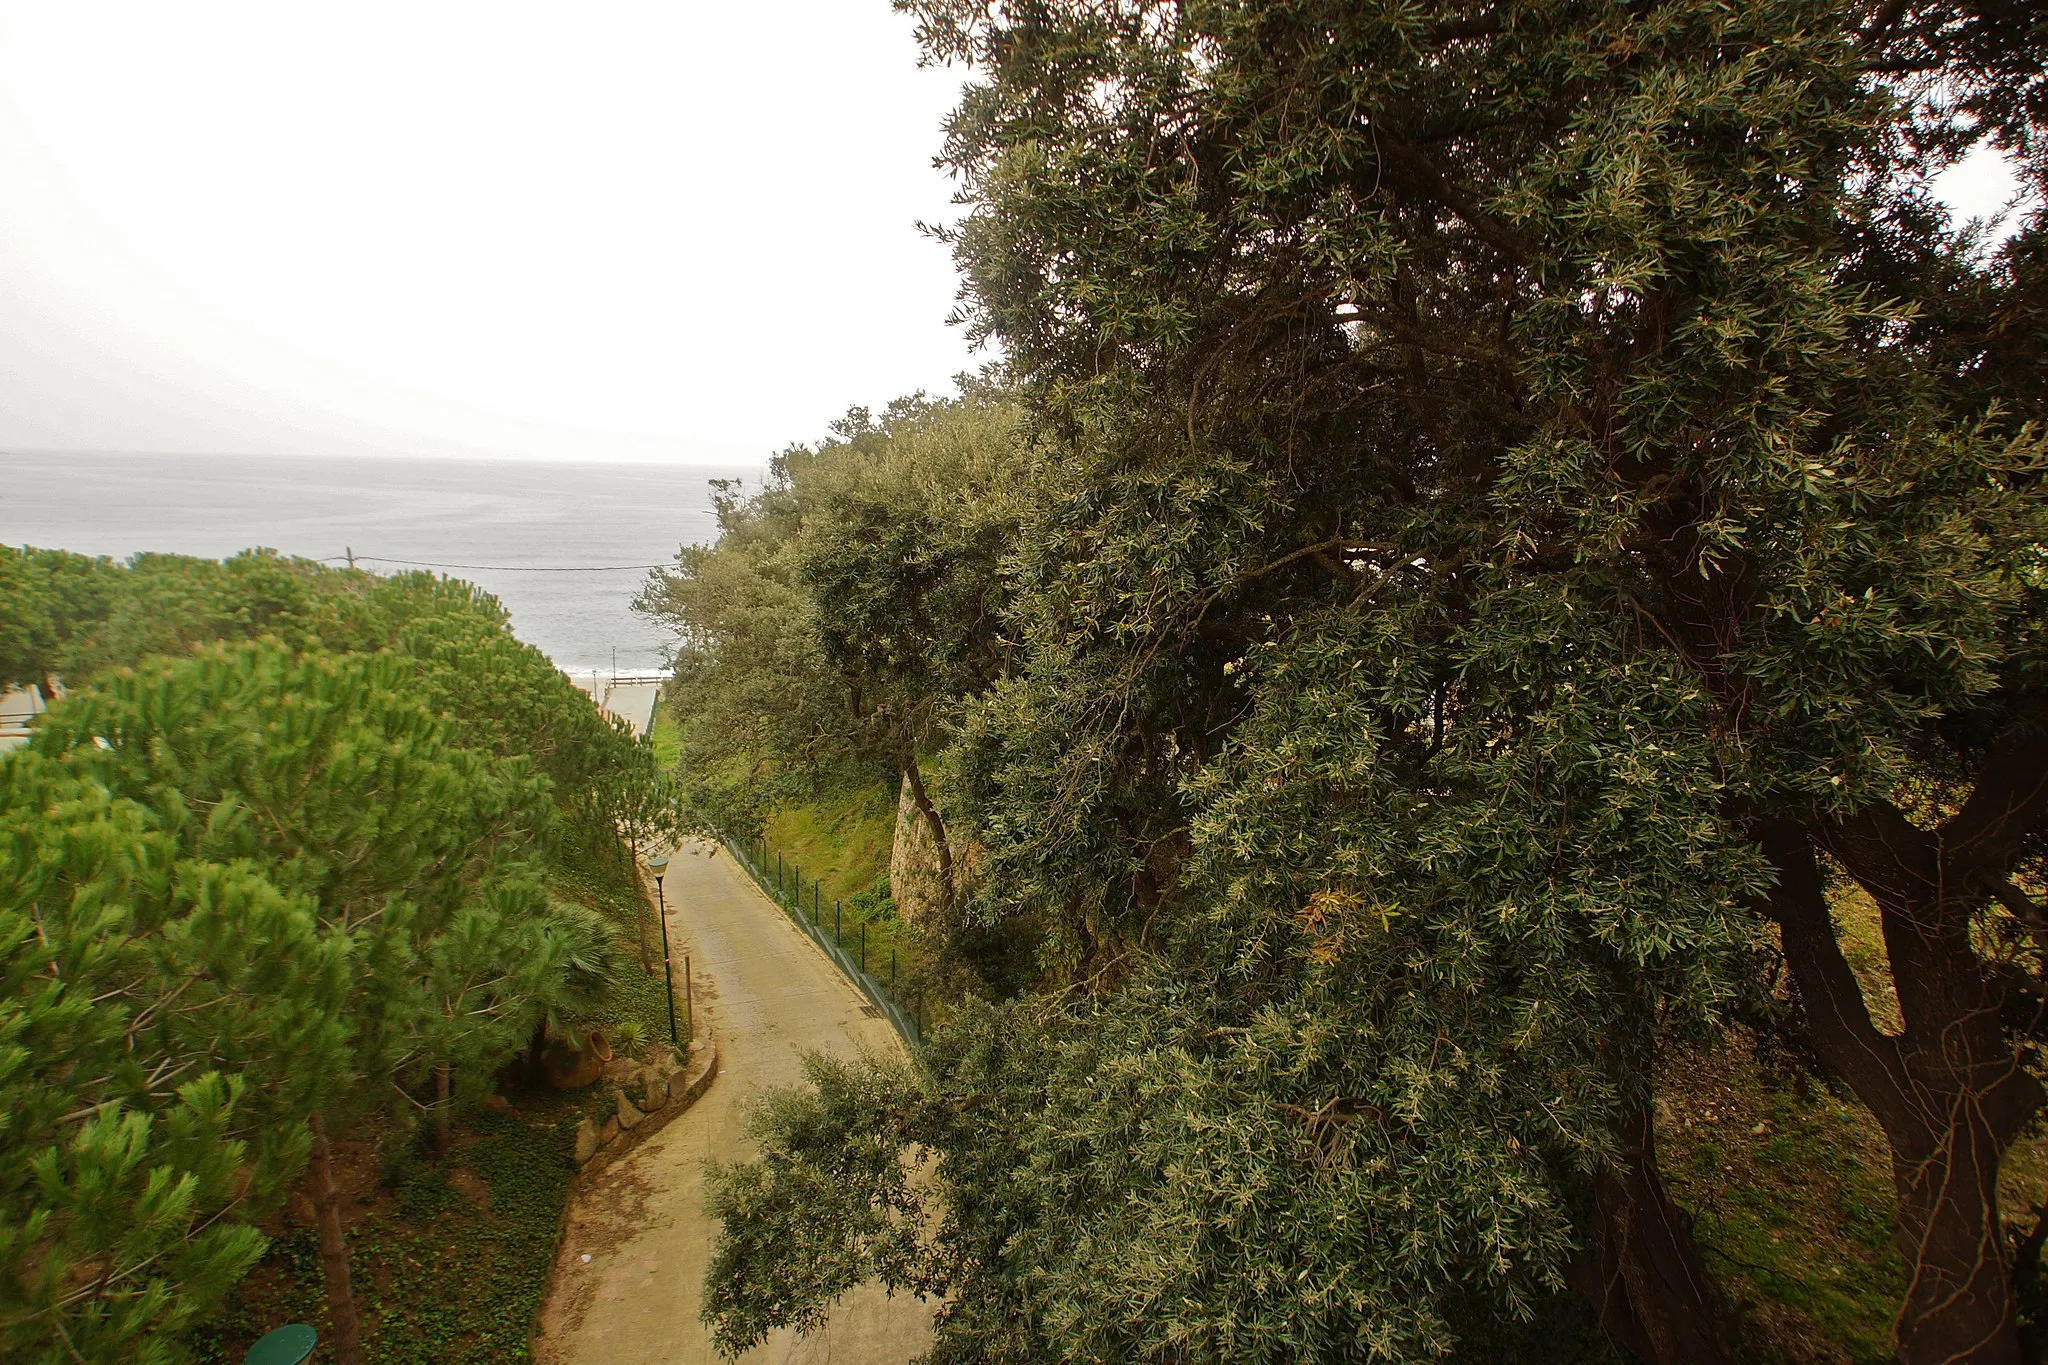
x,y
50,595
847,606
276,862
1533,497
120,1161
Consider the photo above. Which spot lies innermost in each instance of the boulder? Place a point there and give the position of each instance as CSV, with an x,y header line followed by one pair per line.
x,y
629,1116
656,1092
609,1133
587,1141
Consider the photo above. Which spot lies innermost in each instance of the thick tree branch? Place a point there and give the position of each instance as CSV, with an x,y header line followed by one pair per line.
x,y
1843,1035
2022,906
1926,915
2009,800
1424,173
1893,859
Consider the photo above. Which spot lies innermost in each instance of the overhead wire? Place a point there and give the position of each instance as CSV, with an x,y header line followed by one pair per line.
x,y
494,568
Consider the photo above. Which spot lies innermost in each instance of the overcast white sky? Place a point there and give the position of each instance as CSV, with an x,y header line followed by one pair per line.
x,y
678,230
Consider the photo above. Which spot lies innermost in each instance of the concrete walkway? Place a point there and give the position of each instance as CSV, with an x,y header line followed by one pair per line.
x,y
630,697
769,995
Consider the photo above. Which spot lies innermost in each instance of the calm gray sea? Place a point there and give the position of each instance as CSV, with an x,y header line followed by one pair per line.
x,y
534,527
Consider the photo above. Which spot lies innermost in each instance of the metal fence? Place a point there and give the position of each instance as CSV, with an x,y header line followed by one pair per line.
x,y
785,886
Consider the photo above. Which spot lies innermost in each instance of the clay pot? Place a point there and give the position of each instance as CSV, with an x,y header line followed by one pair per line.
x,y
568,1069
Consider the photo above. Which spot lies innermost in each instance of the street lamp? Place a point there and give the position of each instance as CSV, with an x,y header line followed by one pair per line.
x,y
659,866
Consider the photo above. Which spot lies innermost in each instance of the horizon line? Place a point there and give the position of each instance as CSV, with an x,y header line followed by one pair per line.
x,y
475,457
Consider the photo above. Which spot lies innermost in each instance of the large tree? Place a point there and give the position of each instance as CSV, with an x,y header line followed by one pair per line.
x,y
1522,532
849,605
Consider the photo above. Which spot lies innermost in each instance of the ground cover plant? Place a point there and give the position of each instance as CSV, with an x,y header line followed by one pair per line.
x,y
296,858
1519,510
839,845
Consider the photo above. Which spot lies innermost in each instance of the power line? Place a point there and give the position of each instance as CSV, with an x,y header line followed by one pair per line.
x,y
496,568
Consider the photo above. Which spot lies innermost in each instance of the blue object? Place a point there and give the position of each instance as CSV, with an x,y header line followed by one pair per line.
x,y
288,1345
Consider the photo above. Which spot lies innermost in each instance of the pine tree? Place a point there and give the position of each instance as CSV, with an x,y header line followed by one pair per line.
x,y
48,596
644,806
130,1181
429,931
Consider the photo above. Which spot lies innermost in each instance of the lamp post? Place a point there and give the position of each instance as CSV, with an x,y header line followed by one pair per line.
x,y
659,866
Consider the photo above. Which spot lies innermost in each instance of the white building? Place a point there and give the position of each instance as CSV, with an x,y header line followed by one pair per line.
x,y
18,710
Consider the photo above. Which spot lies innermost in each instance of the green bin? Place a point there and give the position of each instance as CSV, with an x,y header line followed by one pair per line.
x,y
288,1345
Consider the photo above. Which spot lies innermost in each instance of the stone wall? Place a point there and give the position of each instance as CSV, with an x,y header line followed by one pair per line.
x,y
645,1096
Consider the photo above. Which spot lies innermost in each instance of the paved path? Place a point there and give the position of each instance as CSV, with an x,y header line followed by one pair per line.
x,y
627,697
768,994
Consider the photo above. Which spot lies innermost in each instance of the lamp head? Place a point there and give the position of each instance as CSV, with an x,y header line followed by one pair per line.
x,y
657,866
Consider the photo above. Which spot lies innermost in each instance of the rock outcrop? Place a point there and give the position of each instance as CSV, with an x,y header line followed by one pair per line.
x,y
913,862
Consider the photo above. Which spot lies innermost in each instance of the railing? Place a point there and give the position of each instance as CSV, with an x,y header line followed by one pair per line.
x,y
786,889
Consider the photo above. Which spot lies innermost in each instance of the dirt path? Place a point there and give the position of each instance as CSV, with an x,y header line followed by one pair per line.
x,y
769,994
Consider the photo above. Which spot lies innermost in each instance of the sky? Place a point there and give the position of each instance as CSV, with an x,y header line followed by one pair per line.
x,y
678,231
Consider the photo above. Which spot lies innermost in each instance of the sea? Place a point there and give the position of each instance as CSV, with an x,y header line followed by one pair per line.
x,y
564,546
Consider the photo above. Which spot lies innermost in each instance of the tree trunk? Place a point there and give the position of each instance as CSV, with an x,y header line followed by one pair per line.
x,y
937,827
1949,1091
346,1339
442,1104
1959,1301
1643,1273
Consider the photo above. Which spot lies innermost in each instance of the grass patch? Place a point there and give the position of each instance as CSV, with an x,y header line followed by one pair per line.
x,y
837,849
841,841
1792,1197
667,737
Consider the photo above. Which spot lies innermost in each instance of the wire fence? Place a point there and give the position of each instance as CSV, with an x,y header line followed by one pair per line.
x,y
784,883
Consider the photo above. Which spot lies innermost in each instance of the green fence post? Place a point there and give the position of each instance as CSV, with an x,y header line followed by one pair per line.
x,y
892,968
835,927
863,947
